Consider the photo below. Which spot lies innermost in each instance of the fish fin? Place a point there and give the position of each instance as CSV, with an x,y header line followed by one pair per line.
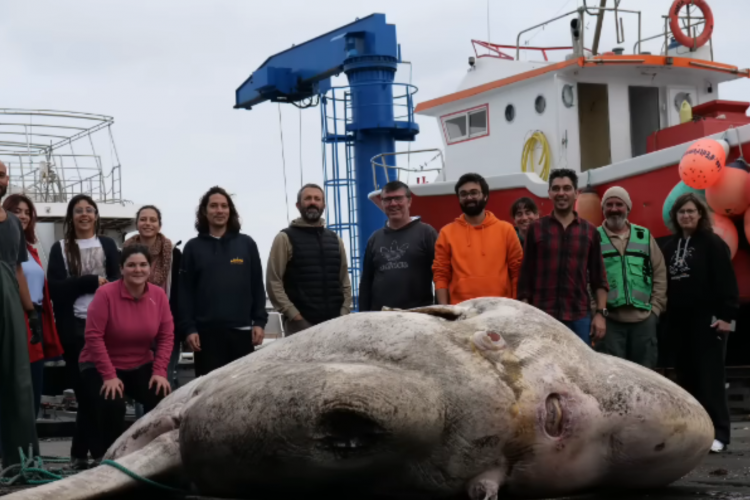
x,y
159,458
486,485
451,313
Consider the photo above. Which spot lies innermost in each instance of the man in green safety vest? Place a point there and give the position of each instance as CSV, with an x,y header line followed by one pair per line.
x,y
637,277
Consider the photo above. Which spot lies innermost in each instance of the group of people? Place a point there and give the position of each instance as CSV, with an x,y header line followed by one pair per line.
x,y
118,317
609,284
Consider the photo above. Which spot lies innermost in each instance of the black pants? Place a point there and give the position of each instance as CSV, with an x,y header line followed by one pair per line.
x,y
82,436
110,413
221,346
699,364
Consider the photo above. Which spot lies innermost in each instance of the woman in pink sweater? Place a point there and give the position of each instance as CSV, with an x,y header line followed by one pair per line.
x,y
124,320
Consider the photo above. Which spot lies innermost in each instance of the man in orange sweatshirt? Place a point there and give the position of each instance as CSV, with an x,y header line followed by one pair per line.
x,y
477,255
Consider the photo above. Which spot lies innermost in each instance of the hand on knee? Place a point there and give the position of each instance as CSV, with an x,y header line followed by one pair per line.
x,y
111,388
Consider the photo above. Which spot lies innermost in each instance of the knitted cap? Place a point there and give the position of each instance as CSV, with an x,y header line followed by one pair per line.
x,y
617,192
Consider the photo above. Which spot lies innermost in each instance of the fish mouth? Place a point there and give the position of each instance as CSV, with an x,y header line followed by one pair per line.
x,y
555,416
345,432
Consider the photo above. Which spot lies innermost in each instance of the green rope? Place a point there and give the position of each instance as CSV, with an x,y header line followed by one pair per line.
x,y
32,471
135,476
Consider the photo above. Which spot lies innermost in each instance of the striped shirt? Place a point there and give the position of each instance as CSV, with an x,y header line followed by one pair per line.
x,y
558,263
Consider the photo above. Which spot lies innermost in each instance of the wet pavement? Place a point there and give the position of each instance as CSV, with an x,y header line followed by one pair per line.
x,y
724,476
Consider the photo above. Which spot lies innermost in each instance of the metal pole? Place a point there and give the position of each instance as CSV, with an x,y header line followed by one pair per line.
x,y
598,32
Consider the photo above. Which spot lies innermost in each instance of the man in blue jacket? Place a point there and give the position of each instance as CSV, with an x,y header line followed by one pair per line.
x,y
222,296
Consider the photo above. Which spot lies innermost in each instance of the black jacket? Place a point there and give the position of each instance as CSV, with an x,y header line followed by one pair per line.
x,y
174,294
221,284
65,289
701,276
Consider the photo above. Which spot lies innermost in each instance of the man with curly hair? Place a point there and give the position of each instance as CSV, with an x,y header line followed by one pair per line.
x,y
222,299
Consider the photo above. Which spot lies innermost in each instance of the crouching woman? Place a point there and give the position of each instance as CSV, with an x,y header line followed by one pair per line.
x,y
124,320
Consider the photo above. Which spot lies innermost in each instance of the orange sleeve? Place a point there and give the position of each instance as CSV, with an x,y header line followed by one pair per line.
x,y
441,267
514,251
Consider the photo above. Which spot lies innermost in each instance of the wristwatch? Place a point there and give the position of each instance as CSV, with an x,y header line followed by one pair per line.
x,y
603,312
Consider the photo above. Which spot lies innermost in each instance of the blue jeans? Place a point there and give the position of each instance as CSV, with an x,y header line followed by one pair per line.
x,y
581,327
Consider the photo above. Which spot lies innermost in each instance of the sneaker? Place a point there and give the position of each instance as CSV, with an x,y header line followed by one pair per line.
x,y
718,446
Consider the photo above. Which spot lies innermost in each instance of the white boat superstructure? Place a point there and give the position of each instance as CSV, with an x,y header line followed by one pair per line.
x,y
53,156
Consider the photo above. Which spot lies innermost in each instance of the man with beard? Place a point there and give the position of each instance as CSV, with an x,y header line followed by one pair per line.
x,y
477,255
308,277
562,255
637,278
17,419
397,267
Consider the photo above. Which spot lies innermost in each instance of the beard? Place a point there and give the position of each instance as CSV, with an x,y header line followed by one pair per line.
x,y
616,221
473,208
311,214
3,191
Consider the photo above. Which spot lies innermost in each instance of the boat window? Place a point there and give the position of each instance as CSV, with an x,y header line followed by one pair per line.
x,y
464,125
456,127
510,112
540,104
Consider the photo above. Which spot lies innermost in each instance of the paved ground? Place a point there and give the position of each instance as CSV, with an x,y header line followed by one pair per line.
x,y
720,477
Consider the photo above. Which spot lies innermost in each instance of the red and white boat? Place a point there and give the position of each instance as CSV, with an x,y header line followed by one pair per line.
x,y
612,117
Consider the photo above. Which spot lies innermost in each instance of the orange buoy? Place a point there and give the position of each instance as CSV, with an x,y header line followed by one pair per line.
x,y
729,195
589,206
679,35
702,164
727,231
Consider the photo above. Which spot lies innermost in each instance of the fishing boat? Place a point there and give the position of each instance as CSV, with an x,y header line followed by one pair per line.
x,y
616,117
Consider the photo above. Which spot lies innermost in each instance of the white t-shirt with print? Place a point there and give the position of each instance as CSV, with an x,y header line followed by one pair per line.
x,y
92,262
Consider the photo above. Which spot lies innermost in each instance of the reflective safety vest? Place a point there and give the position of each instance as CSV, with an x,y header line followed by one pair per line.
x,y
630,276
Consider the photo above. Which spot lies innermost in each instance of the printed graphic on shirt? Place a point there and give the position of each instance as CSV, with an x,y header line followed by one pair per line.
x,y
394,256
92,261
236,261
678,267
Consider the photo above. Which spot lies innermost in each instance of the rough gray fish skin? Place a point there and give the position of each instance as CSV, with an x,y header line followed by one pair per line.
x,y
428,403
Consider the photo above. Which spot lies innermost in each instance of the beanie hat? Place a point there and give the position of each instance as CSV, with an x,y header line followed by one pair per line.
x,y
617,192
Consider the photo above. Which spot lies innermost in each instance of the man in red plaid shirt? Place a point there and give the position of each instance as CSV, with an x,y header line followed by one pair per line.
x,y
562,255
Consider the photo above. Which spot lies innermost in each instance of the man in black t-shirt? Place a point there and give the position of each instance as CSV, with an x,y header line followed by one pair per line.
x,y
397,266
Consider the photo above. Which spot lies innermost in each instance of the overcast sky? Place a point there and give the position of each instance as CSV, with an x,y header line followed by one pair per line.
x,y
167,71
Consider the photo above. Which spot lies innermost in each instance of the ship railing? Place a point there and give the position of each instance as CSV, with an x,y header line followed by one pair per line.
x,y
403,100
378,161
55,155
667,33
581,12
494,47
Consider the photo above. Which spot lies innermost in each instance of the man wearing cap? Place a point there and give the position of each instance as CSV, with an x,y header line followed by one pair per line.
x,y
637,277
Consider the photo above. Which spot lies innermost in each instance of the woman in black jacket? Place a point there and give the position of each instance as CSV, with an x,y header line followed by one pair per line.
x,y
702,304
78,265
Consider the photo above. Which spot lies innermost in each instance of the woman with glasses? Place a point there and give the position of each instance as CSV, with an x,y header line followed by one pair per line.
x,y
78,265
702,304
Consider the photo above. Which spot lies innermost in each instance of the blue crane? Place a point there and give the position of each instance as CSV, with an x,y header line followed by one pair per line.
x,y
362,121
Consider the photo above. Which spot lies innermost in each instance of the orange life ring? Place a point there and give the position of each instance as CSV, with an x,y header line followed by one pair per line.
x,y
674,23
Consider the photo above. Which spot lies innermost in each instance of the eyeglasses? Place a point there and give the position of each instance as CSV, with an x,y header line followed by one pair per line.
x,y
88,210
393,199
687,211
474,193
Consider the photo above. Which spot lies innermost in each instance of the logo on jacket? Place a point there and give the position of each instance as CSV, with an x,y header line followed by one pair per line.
x,y
237,261
393,255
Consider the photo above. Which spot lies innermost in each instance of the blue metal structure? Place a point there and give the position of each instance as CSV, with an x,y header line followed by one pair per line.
x,y
359,118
